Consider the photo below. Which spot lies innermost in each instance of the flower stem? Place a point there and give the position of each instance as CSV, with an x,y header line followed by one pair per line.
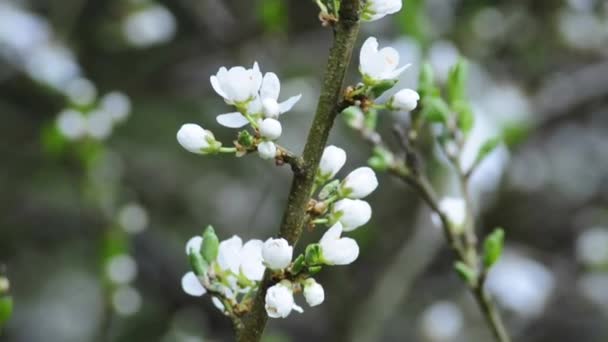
x,y
227,150
345,35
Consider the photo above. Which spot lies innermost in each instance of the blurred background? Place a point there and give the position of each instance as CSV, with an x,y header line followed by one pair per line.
x,y
94,215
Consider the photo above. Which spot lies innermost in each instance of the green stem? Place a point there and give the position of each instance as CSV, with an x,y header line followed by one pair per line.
x,y
345,35
227,150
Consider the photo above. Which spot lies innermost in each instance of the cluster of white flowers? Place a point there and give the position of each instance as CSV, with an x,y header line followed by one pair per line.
x,y
89,117
255,97
232,270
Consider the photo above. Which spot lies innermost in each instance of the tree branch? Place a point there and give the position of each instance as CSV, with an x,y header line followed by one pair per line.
x,y
345,35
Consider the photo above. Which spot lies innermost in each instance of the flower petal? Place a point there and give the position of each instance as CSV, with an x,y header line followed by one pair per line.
x,y
192,286
332,233
229,256
271,86
215,83
194,245
395,73
368,53
232,120
288,104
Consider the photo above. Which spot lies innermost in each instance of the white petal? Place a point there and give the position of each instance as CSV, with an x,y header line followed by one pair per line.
x,y
332,233
229,255
192,286
271,86
368,53
232,120
286,105
215,83
395,73
194,245
297,308
251,260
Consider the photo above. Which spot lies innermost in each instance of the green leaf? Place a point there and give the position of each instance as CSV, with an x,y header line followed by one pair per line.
x,y
313,255
314,270
6,309
210,247
434,109
466,119
465,272
493,246
426,82
486,148
381,159
457,82
298,264
514,134
273,15
329,189
381,87
199,265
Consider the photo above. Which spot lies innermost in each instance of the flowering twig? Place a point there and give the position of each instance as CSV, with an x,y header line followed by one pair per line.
x,y
345,33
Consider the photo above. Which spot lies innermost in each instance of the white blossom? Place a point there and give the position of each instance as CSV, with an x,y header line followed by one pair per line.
x,y
405,100
99,124
377,9
360,183
269,96
378,65
279,300
237,85
192,286
332,160
313,292
277,253
81,91
241,259
117,104
72,124
337,250
352,214
194,138
271,128
267,150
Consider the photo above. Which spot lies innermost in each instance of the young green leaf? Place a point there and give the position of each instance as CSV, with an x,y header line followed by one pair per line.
x,y
465,272
210,246
486,148
6,309
379,88
493,246
199,265
434,109
457,82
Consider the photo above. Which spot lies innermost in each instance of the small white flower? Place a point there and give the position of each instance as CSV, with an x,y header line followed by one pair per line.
x,y
271,129
377,9
405,100
279,300
269,96
359,183
192,286
277,253
352,214
237,85
332,160
378,65
337,250
81,91
271,108
117,104
194,138
241,259
72,124
267,150
194,245
313,292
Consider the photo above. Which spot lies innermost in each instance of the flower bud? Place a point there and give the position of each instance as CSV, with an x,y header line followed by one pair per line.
x,y
195,139
405,99
271,108
455,209
279,300
336,250
332,160
359,183
277,253
377,9
354,117
267,150
313,292
271,129
210,245
352,214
